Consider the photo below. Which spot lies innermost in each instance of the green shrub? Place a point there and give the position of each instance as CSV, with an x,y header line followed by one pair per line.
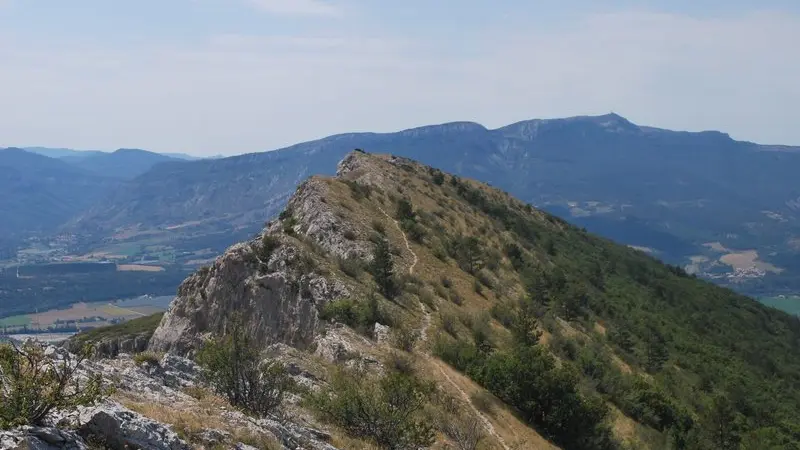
x,y
446,282
35,382
358,190
428,299
477,287
405,339
232,365
503,313
352,267
382,269
388,411
441,291
468,252
449,324
404,211
269,244
485,278
439,253
359,315
481,331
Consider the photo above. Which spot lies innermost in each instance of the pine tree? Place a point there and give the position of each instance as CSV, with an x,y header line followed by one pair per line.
x,y
624,339
657,353
404,210
525,326
723,426
383,269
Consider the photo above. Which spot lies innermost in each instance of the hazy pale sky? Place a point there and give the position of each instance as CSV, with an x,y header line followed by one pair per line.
x,y
234,76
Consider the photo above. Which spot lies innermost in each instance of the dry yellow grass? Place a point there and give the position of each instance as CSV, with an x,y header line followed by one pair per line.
x,y
190,419
511,430
624,427
452,218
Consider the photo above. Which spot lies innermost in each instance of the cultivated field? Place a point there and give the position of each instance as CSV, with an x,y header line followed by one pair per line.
x,y
748,259
91,314
138,268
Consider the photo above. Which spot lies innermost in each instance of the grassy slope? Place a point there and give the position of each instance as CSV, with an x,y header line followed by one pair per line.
x,y
718,342
143,325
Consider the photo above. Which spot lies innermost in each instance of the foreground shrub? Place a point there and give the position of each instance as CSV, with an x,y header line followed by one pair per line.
x,y
35,382
232,365
387,411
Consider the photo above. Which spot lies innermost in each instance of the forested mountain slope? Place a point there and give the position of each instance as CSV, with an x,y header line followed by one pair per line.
x,y
592,344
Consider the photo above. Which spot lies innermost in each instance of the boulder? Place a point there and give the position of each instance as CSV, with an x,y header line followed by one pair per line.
x,y
122,429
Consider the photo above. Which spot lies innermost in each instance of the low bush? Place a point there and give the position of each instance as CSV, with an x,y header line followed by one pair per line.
x,y
449,324
477,287
428,299
387,411
359,191
359,315
447,282
269,244
233,367
35,382
405,339
351,267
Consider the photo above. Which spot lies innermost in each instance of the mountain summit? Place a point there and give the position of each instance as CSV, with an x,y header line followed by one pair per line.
x,y
585,343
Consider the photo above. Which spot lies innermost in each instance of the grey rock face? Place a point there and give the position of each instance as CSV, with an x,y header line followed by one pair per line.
x,y
293,436
318,221
121,429
41,438
277,300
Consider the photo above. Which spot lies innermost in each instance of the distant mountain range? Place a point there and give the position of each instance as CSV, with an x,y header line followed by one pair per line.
x,y
683,196
40,193
80,154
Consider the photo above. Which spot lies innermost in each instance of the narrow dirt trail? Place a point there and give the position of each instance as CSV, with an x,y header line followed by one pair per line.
x,y
423,337
486,423
405,239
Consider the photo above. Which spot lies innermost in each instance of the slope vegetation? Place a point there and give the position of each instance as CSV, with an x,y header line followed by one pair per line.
x,y
560,337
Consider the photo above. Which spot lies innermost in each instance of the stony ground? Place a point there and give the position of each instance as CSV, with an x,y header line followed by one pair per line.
x,y
161,406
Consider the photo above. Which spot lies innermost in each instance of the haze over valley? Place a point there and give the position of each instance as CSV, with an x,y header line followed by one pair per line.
x,y
726,210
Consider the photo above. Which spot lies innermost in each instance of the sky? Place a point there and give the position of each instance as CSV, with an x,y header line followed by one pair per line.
x,y
232,76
